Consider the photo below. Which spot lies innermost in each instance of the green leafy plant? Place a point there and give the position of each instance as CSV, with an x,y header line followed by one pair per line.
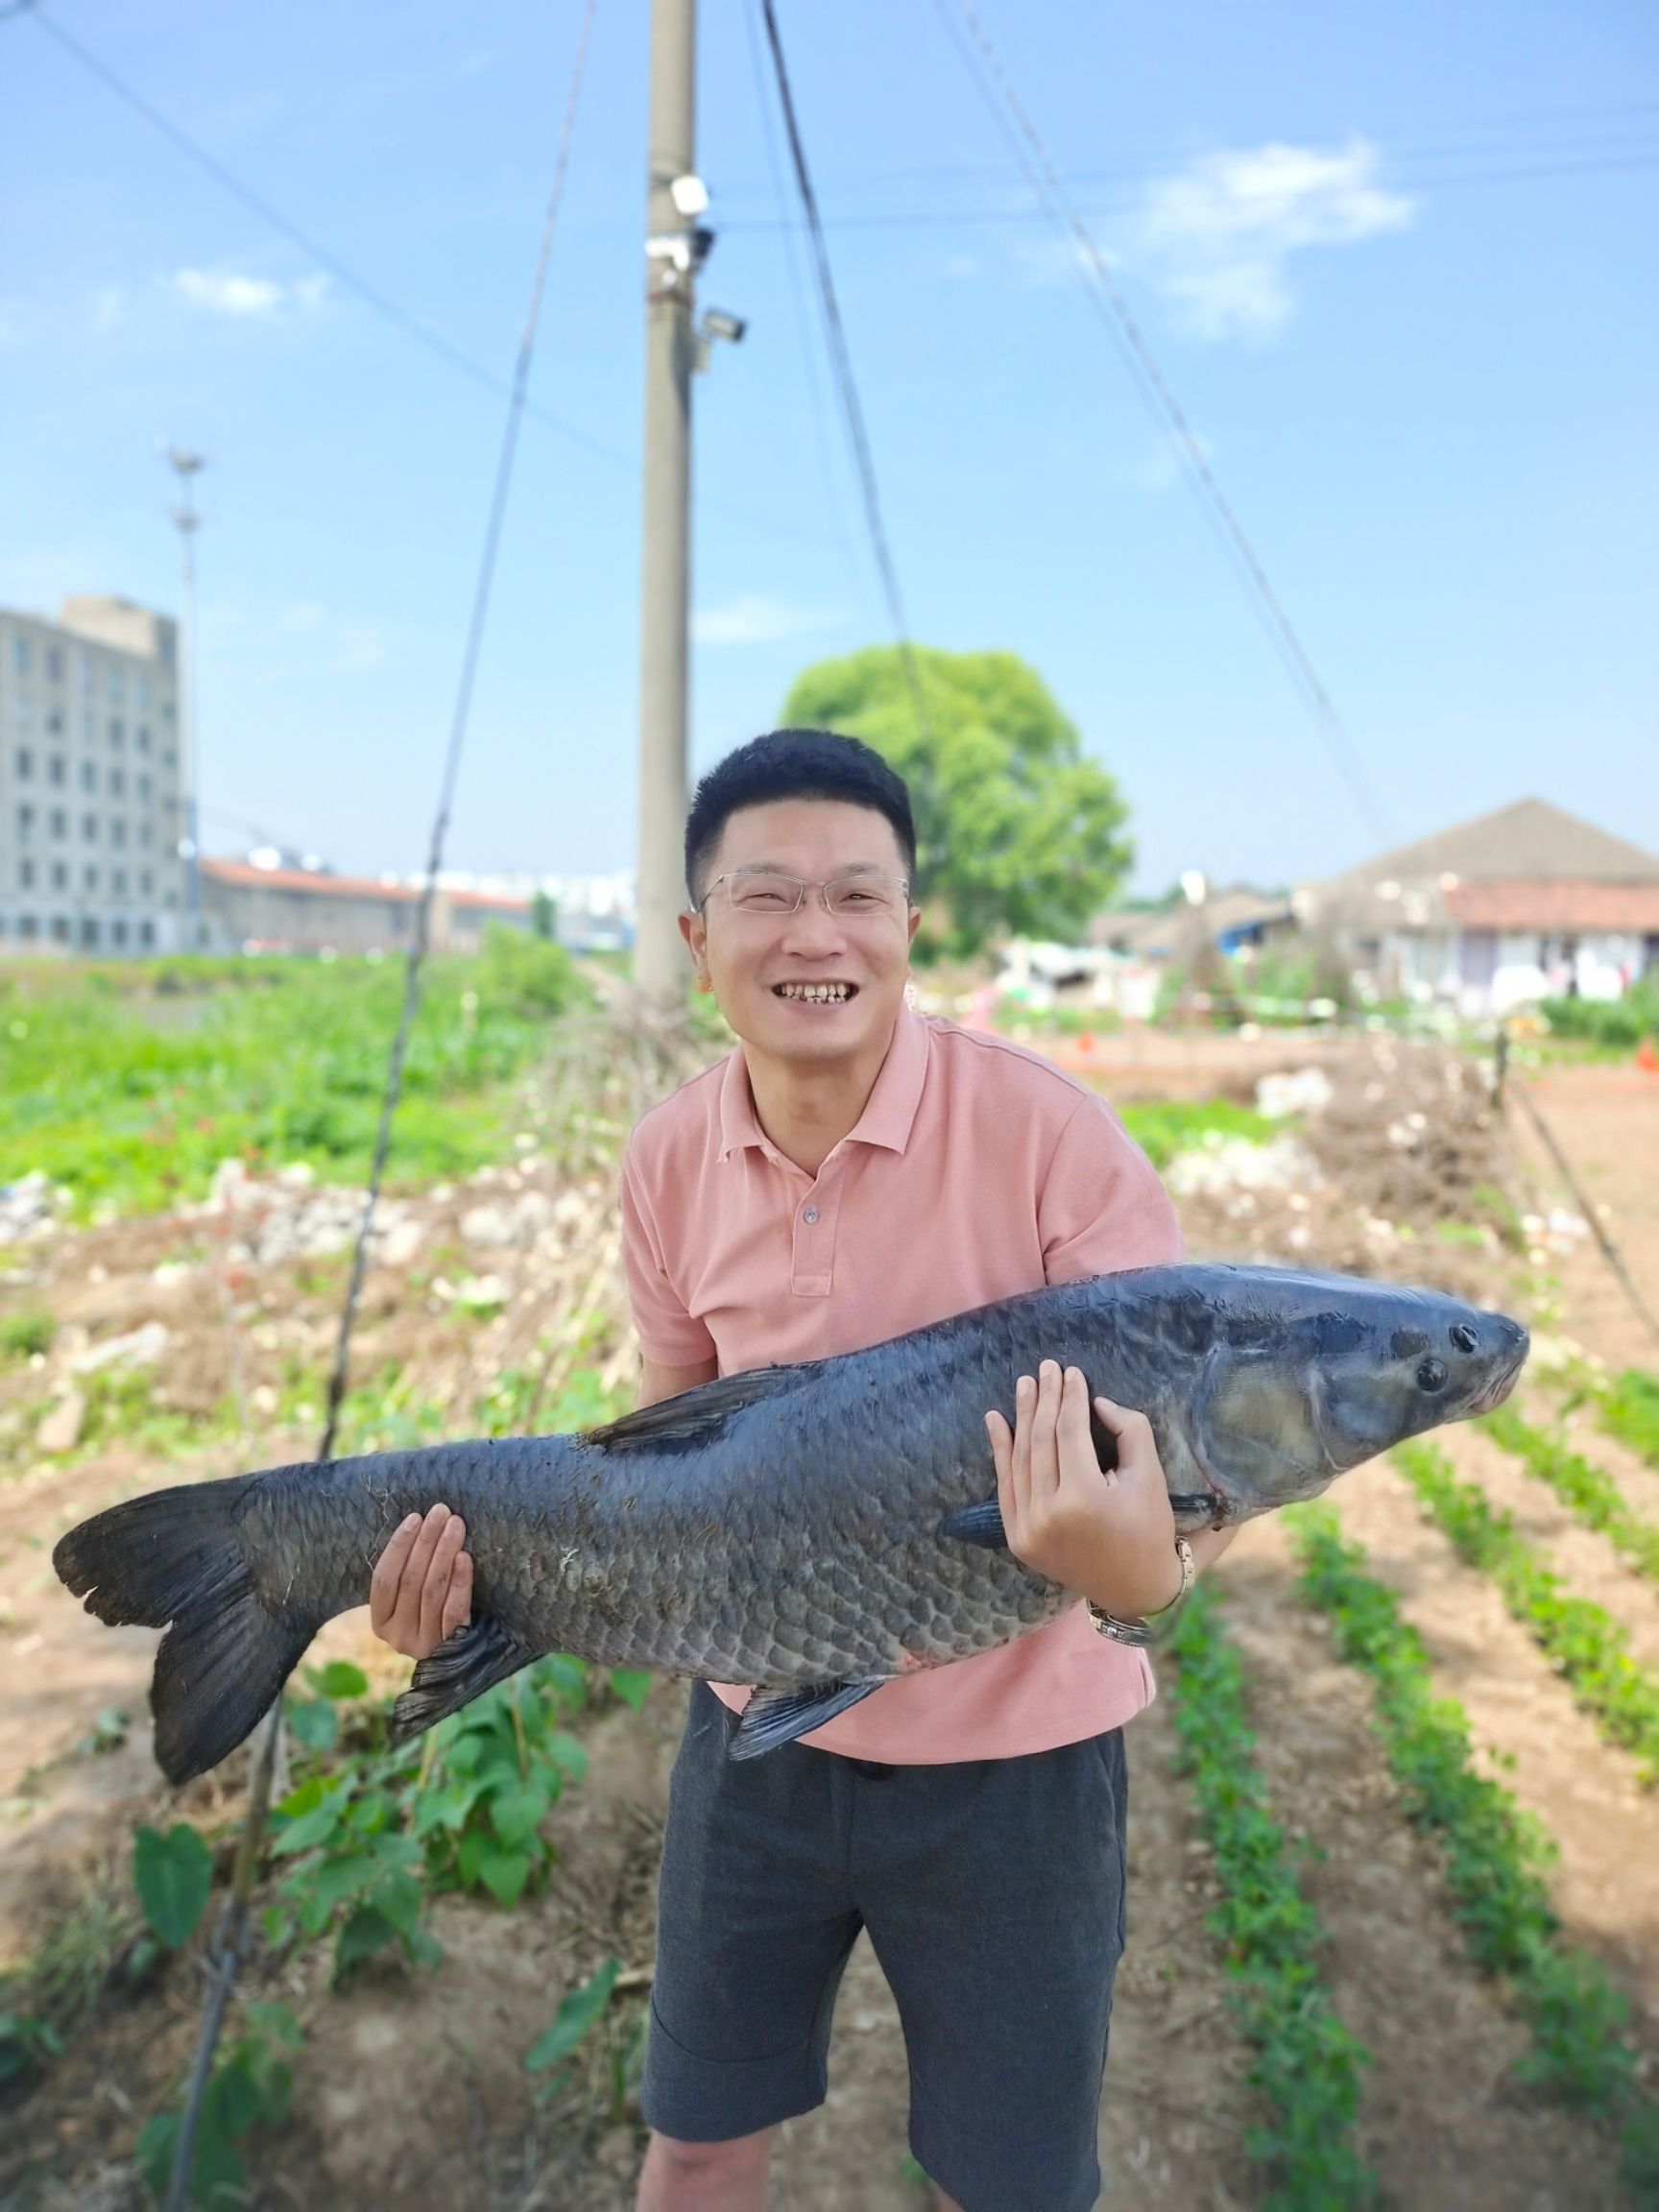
x,y
25,1331
249,2088
1628,1408
26,2043
1587,1646
1308,2065
1161,1127
173,1875
1495,1856
1593,1496
578,2010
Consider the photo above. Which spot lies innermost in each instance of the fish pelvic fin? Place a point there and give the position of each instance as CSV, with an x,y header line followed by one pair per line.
x,y
980,1524
177,1556
469,1661
775,1716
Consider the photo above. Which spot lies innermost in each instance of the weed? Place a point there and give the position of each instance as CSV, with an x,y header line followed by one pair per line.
x,y
1628,1408
249,2088
1161,1127
1308,2065
26,1333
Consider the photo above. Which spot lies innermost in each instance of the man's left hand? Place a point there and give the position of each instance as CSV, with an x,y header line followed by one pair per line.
x,y
1108,1535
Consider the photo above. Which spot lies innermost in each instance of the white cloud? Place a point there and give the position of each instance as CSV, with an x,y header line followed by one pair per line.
x,y
1219,235
247,298
754,619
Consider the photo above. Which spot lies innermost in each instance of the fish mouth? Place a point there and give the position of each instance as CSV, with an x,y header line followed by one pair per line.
x,y
820,990
1499,1387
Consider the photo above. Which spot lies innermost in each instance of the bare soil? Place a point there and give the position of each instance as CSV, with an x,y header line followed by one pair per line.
x,y
410,2089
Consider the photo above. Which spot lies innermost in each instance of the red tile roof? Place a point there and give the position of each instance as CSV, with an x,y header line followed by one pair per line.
x,y
1556,905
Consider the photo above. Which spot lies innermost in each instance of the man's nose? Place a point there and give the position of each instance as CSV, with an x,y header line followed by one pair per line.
x,y
812,928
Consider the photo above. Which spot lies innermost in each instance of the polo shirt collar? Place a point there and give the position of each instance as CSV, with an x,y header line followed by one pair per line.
x,y
889,1112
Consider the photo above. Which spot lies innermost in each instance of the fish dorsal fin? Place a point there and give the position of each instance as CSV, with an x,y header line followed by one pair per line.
x,y
697,1415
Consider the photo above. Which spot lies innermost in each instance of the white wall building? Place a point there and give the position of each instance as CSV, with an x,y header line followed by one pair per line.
x,y
1530,902
90,793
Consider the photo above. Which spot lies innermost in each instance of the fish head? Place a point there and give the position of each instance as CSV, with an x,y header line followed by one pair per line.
x,y
1330,1371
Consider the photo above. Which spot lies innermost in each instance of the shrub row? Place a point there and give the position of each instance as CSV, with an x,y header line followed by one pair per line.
x,y
1307,2064
1495,1856
1628,1407
1591,1495
1586,1646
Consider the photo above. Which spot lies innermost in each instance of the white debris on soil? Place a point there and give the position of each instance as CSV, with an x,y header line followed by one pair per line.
x,y
60,1428
138,1347
1222,1165
293,1216
31,1208
1293,1090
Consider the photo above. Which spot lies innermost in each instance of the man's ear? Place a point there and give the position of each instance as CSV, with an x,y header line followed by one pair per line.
x,y
696,936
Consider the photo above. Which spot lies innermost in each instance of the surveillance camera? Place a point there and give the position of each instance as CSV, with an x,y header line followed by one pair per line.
x,y
717,323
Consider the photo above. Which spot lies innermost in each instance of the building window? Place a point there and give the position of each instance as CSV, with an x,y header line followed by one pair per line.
x,y
142,738
118,932
59,822
25,764
89,775
141,691
118,831
169,758
146,882
54,769
115,683
144,836
26,875
54,721
88,931
59,875
144,790
25,824
118,783
118,882
27,925
117,732
20,712
89,878
54,664
20,655
146,933
89,829
61,929
83,670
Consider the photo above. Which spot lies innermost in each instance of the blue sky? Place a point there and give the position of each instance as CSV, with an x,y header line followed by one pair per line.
x,y
1396,262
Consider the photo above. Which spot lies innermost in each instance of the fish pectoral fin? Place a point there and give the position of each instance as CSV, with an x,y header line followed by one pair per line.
x,y
980,1524
1195,1510
467,1663
773,1717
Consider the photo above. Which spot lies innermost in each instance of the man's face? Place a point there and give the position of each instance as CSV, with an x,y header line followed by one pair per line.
x,y
761,964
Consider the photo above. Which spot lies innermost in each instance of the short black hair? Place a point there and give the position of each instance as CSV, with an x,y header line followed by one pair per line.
x,y
796,765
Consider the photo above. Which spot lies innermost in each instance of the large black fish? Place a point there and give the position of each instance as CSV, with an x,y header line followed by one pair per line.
x,y
816,1530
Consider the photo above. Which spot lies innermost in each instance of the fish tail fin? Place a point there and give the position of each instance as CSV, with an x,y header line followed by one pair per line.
x,y
175,1556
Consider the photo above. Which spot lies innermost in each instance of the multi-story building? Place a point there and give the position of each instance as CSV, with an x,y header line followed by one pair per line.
x,y
91,792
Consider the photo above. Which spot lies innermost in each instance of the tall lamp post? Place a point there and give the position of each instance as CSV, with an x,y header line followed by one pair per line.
x,y
186,466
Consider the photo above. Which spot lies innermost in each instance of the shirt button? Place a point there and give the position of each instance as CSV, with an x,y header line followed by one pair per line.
x,y
810,1215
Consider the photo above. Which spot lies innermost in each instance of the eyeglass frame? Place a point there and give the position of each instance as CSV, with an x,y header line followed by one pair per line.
x,y
820,884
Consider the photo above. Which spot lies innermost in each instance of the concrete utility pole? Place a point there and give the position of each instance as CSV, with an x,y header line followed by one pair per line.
x,y
673,248
185,465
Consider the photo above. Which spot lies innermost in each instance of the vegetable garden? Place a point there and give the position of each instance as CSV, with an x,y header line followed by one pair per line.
x,y
1394,1850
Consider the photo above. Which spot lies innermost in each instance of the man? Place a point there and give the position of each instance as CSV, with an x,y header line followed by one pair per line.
x,y
851,1172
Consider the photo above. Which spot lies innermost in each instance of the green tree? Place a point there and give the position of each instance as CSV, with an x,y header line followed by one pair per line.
x,y
1016,830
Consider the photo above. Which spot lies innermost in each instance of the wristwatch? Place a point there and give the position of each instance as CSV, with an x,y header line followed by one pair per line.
x,y
1135,1631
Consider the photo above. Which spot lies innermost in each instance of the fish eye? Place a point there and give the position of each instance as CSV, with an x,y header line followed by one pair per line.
x,y
1432,1375
1464,1337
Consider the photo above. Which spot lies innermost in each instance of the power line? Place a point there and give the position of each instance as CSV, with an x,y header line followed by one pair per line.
x,y
845,384
232,1934
359,286
1035,161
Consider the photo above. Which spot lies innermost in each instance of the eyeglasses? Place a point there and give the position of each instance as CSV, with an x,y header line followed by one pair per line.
x,y
763,893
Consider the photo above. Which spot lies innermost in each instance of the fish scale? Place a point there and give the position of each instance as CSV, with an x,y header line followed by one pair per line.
x,y
813,1530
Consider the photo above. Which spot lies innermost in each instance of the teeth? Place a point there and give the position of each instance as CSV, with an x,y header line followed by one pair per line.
x,y
816,994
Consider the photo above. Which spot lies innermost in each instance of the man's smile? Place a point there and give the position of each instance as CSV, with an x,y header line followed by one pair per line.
x,y
835,993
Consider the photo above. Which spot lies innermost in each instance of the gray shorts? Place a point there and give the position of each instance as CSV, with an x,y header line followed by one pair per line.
x,y
993,1890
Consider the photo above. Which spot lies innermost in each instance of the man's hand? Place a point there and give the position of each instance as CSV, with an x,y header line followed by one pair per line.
x,y
1109,1535
421,1590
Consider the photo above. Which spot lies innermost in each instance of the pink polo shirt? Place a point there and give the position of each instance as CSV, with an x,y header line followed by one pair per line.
x,y
977,1170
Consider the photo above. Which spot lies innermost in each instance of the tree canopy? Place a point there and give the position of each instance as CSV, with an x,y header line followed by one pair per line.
x,y
1016,830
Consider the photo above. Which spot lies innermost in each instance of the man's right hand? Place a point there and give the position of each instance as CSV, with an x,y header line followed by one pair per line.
x,y
421,1589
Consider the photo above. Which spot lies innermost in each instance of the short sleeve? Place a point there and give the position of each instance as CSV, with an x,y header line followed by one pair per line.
x,y
666,1332
1102,1208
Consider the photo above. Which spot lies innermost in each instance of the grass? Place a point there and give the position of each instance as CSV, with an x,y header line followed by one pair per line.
x,y
1582,1640
1495,1856
1308,2065
1161,1127
1628,1408
128,1084
1591,1495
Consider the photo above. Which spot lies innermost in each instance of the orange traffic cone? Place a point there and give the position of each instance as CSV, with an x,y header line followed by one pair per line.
x,y
1648,1057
